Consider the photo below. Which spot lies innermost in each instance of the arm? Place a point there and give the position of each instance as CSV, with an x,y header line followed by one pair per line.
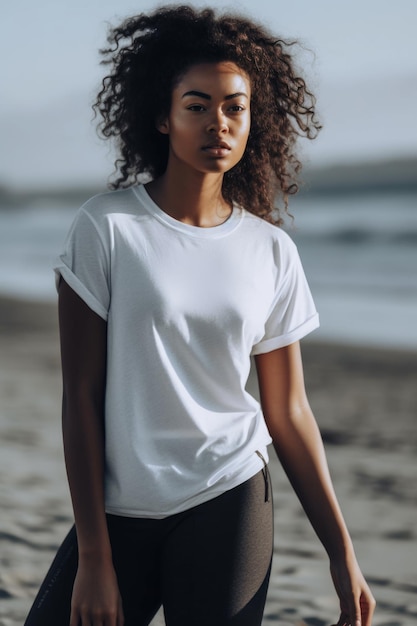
x,y
83,352
298,444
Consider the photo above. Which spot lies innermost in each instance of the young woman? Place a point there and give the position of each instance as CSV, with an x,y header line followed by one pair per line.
x,y
166,289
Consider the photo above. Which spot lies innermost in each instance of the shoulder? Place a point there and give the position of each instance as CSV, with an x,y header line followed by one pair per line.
x,y
273,244
106,211
266,233
110,202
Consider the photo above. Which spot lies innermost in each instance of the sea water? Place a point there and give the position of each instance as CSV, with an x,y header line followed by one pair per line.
x,y
359,253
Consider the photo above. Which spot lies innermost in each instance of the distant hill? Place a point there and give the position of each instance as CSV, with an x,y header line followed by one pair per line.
x,y
75,195
396,175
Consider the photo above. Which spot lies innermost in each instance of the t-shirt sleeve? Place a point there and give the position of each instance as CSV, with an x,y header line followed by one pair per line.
x,y
84,263
293,313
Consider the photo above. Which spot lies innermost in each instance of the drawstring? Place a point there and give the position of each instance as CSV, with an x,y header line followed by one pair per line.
x,y
265,474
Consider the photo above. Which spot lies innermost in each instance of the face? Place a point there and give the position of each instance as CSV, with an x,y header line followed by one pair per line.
x,y
209,121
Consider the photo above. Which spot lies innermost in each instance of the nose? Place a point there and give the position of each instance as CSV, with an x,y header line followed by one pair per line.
x,y
218,123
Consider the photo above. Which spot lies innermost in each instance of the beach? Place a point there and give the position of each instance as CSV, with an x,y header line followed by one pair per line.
x,y
365,401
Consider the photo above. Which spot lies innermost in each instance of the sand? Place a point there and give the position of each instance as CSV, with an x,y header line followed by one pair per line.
x,y
365,401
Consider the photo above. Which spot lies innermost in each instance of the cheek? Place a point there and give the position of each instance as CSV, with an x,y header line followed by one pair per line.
x,y
182,128
244,132
245,128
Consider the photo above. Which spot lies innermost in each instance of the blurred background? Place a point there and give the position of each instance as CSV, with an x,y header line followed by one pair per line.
x,y
356,222
356,230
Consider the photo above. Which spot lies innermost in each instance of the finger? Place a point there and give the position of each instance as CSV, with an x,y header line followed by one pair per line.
x,y
112,618
120,615
74,618
106,619
367,605
120,619
87,620
362,612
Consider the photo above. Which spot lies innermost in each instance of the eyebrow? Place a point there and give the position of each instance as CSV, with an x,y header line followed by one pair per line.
x,y
206,96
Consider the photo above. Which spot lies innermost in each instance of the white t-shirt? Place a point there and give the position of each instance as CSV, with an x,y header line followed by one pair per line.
x,y
185,308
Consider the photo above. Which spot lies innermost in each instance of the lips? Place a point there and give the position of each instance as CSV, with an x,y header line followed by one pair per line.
x,y
217,145
217,149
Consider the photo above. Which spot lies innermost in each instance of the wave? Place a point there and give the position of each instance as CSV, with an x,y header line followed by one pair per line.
x,y
357,235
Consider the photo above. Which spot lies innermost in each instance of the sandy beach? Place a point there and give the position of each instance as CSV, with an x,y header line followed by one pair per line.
x,y
365,401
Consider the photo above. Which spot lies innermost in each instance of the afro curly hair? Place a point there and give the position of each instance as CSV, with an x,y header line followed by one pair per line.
x,y
149,53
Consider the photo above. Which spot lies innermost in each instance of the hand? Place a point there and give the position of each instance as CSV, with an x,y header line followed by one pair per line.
x,y
96,599
357,603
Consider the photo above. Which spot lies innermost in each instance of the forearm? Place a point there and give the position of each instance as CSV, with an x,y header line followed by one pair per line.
x,y
300,449
84,457
84,355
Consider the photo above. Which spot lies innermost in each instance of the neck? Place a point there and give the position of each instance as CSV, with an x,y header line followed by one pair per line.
x,y
192,199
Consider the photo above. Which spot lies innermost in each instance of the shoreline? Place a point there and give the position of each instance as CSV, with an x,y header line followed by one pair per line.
x,y
28,315
365,402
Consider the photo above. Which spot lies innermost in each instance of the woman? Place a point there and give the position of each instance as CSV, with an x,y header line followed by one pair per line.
x,y
165,291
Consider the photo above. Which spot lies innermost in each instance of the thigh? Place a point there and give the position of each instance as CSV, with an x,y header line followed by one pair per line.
x,y
52,605
136,557
217,560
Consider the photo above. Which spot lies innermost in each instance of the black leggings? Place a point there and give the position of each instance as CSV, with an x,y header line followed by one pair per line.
x,y
209,565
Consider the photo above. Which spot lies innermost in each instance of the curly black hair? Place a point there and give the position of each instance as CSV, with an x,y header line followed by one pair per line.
x,y
149,53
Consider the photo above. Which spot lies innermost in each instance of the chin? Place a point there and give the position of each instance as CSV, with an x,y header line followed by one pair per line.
x,y
219,166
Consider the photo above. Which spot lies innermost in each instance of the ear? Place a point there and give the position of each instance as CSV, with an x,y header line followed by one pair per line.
x,y
162,125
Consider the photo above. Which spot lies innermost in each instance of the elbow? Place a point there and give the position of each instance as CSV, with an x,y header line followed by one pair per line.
x,y
284,422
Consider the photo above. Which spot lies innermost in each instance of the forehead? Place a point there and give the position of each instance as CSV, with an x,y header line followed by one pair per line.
x,y
224,75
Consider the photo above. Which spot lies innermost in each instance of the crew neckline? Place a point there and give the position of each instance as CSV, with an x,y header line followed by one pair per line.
x,y
210,232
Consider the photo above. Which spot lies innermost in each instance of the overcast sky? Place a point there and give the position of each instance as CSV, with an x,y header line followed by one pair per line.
x,y
49,47
48,52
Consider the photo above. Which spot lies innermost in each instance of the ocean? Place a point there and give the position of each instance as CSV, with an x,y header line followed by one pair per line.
x,y
359,252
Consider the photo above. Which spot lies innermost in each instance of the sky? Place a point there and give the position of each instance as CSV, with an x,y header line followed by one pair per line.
x,y
361,61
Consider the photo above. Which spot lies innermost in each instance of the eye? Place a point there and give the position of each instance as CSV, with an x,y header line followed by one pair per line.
x,y
196,107
237,108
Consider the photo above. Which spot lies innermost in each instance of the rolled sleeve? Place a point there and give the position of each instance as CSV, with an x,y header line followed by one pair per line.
x,y
84,264
293,313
